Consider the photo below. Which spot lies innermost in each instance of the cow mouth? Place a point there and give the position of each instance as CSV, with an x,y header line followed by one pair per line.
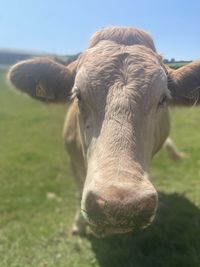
x,y
109,230
105,228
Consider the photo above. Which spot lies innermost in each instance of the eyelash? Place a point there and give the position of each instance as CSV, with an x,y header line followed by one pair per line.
x,y
163,100
78,96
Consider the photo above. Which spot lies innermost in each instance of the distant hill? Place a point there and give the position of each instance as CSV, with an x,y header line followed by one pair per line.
x,y
8,58
178,64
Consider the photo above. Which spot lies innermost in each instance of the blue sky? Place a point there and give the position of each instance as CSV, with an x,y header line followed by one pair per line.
x,y
64,27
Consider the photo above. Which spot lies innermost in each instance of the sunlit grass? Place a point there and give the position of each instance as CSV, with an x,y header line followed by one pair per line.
x,y
35,229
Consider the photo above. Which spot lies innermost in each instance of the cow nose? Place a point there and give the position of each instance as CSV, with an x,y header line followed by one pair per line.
x,y
120,208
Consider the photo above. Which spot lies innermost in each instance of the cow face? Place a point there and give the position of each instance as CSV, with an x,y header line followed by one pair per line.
x,y
121,89
122,98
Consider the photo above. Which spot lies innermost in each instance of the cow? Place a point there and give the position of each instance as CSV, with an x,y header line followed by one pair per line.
x,y
119,91
174,154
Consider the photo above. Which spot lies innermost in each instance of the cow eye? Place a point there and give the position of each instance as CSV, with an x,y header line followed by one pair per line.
x,y
76,93
78,96
162,100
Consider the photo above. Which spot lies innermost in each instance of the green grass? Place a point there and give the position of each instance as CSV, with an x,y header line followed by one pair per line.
x,y
177,65
35,230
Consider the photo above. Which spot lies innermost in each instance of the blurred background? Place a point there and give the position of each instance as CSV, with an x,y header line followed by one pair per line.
x,y
37,192
64,27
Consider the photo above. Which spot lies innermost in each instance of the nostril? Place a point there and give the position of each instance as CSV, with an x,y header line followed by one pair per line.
x,y
94,207
147,208
149,202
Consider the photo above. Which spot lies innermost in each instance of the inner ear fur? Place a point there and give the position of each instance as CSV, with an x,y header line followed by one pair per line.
x,y
43,79
184,84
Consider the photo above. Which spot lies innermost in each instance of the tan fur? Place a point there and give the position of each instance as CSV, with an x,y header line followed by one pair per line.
x,y
172,150
124,36
127,68
73,145
184,84
117,121
42,79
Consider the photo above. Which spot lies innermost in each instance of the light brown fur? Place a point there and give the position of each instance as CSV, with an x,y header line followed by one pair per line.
x,y
184,84
117,121
123,35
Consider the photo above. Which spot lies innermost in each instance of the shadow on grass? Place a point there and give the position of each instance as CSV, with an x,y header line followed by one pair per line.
x,y
172,240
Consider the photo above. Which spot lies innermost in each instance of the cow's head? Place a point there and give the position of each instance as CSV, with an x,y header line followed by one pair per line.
x,y
121,88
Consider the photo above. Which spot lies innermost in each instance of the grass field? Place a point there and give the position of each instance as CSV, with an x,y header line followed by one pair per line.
x,y
35,229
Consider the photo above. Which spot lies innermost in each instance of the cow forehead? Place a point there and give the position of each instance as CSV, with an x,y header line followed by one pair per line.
x,y
109,63
108,51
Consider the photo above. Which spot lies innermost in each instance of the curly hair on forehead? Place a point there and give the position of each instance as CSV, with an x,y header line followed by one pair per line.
x,y
124,36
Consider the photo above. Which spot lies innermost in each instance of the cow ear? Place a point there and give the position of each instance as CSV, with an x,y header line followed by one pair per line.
x,y
184,84
43,79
